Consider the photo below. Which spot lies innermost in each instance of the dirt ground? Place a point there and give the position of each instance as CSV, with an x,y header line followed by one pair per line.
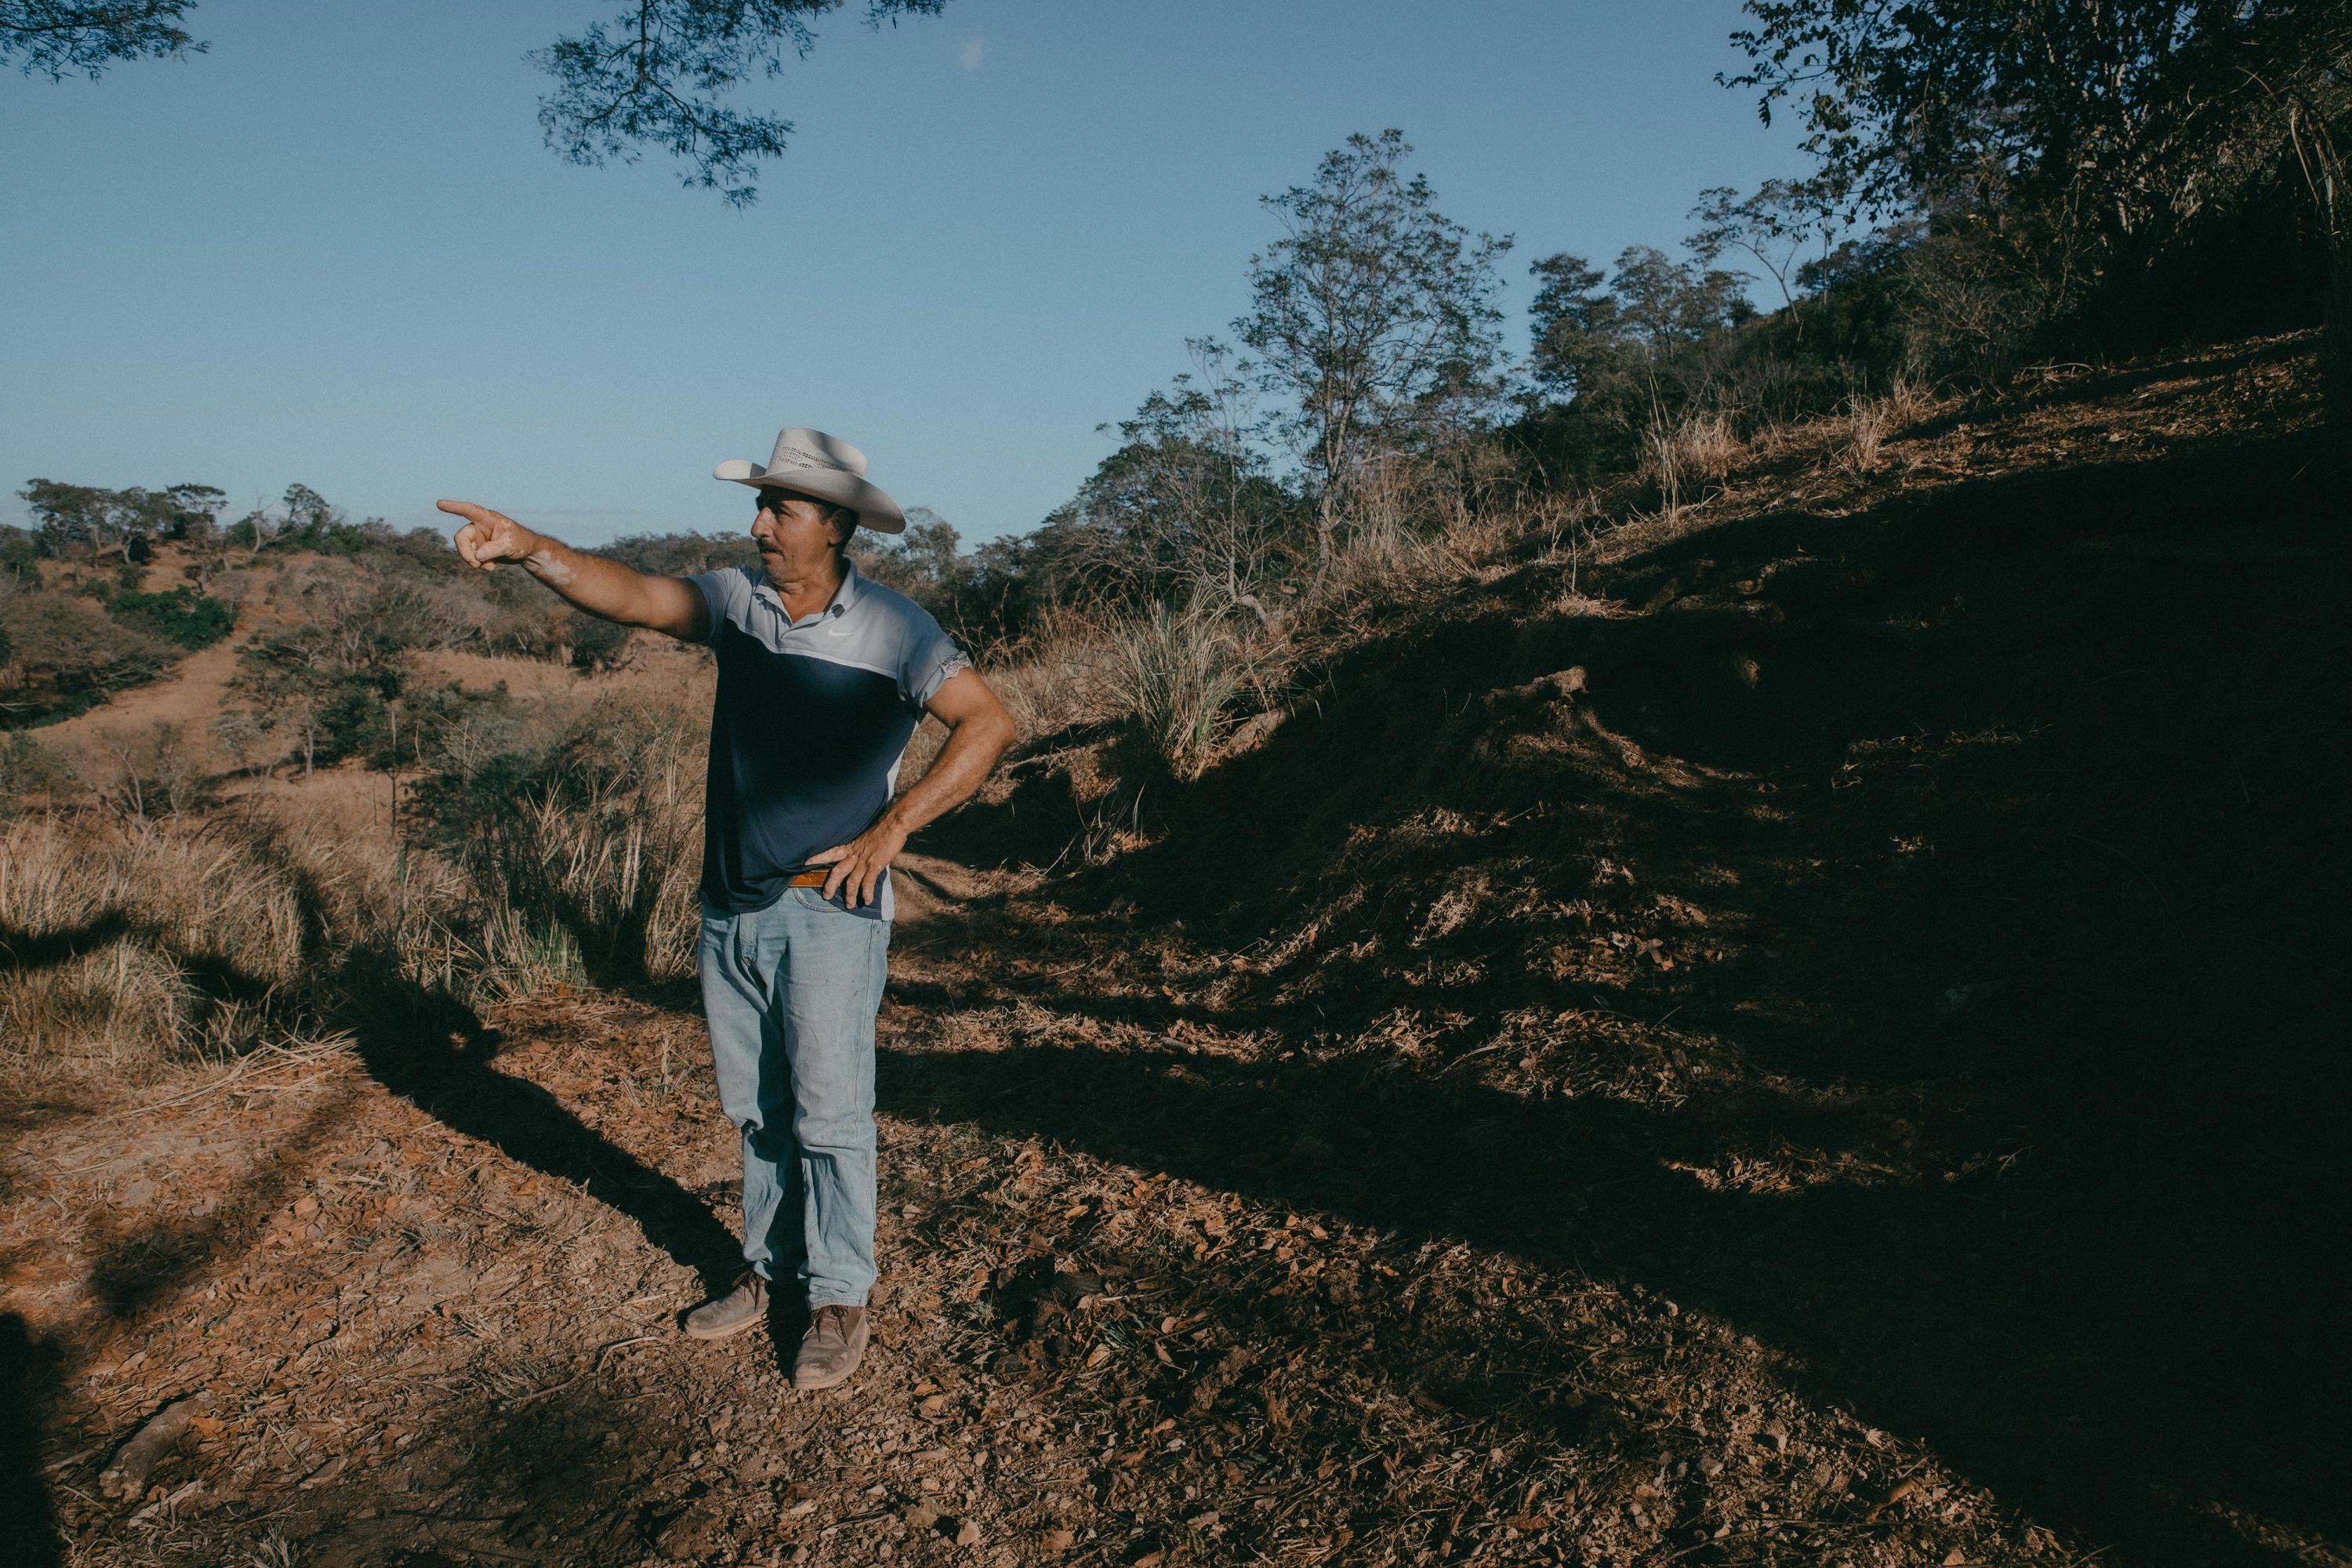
x,y
1815,1040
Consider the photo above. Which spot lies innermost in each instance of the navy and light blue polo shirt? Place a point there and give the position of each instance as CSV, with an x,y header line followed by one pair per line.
x,y
811,719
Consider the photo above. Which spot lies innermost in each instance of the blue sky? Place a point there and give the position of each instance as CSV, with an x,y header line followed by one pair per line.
x,y
334,250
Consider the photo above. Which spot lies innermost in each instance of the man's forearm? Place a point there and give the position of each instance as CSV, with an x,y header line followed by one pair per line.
x,y
592,583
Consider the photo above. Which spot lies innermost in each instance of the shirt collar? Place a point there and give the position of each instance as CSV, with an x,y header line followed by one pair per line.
x,y
853,583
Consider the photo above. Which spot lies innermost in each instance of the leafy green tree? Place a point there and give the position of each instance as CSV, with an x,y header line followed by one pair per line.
x,y
331,675
926,562
1373,317
2091,135
78,522
71,523
1775,226
19,557
1606,343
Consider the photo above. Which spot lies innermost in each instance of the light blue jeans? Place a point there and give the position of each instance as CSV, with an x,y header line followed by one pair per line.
x,y
790,992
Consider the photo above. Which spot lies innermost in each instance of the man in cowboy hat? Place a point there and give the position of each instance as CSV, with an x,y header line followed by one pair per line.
x,y
823,677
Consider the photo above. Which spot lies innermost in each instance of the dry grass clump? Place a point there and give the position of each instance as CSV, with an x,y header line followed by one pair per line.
x,y
1176,673
1681,455
596,863
1869,423
1063,678
515,959
128,946
615,865
1412,524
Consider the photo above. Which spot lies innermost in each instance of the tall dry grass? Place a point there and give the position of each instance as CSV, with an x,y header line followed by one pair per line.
x,y
1175,673
123,946
600,874
127,947
1060,677
1870,422
1681,455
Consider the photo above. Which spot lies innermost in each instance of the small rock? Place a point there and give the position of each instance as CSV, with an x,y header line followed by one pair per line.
x,y
1058,1540
921,1516
1710,1465
970,1535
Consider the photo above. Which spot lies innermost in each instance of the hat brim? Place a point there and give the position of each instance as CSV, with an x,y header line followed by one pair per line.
x,y
874,508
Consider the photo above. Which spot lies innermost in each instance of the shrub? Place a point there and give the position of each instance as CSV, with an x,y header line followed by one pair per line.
x,y
598,836
595,642
181,616
65,655
154,773
245,736
28,771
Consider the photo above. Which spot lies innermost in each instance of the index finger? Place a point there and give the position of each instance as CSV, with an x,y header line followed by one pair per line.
x,y
466,509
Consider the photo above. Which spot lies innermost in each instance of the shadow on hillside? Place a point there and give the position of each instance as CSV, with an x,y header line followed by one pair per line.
x,y
2054,852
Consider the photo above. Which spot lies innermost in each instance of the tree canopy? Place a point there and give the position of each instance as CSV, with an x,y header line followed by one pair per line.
x,y
1372,315
656,75
52,37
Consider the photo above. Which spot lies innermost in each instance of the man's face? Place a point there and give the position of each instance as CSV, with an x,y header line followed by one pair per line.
x,y
793,535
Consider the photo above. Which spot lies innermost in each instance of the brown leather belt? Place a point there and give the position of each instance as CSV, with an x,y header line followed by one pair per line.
x,y
811,879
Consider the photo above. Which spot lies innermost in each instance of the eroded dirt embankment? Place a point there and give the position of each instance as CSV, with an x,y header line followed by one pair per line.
x,y
1821,1045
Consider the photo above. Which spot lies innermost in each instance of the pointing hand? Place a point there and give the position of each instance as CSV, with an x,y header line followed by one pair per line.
x,y
488,537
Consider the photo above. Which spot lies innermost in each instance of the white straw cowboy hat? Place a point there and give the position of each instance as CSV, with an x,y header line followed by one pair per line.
x,y
812,463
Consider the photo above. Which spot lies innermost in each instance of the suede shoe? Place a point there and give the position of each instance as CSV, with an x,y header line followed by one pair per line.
x,y
742,1308
832,1348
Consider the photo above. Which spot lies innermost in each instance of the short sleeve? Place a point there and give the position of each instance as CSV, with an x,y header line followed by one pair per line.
x,y
726,595
931,655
